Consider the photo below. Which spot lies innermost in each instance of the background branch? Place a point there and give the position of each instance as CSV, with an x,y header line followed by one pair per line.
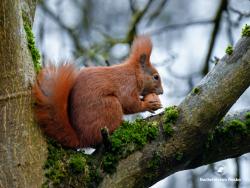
x,y
180,25
217,21
155,14
71,32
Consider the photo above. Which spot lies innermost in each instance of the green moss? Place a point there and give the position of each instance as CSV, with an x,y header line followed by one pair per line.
x,y
109,163
234,126
138,132
248,115
69,168
226,130
128,138
245,31
229,50
77,163
171,114
209,139
57,173
73,169
54,166
152,171
36,57
169,118
179,156
95,176
154,162
168,129
26,18
196,90
247,121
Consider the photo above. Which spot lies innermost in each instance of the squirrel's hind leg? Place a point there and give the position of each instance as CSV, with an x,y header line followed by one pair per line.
x,y
109,115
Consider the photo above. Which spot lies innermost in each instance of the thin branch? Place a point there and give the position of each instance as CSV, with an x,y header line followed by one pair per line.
x,y
179,26
229,28
217,21
136,18
240,13
156,12
132,6
70,31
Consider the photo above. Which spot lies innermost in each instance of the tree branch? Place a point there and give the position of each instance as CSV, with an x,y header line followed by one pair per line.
x,y
227,141
156,12
180,25
199,114
70,31
241,14
217,21
136,18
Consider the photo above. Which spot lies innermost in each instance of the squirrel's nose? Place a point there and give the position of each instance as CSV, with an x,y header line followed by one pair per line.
x,y
159,91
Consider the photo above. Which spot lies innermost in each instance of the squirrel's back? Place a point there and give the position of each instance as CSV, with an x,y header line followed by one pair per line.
x,y
95,100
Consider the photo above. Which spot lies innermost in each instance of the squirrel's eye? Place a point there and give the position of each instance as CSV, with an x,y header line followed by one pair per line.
x,y
156,77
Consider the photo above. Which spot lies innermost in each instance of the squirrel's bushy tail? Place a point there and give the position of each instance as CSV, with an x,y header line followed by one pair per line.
x,y
51,92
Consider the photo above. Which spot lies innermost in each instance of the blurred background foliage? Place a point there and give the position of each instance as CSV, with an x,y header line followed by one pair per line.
x,y
189,37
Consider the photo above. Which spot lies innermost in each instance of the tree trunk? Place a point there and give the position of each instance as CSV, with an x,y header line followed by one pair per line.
x,y
23,149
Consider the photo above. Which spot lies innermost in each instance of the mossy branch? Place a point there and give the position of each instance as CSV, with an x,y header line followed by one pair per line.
x,y
229,139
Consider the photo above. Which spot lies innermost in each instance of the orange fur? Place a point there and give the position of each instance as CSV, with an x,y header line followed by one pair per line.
x,y
51,92
95,97
141,45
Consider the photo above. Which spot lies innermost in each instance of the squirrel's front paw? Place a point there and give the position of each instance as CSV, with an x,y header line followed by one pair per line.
x,y
152,102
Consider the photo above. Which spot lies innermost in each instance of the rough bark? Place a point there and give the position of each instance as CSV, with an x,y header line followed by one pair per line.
x,y
23,150
200,112
225,144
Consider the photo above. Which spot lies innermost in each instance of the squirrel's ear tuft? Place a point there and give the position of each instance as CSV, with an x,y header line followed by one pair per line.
x,y
141,50
143,60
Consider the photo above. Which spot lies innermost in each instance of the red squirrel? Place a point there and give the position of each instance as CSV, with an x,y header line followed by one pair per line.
x,y
73,105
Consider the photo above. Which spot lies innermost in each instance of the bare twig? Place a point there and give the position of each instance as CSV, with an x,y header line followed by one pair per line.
x,y
136,18
240,13
70,31
156,12
179,25
132,6
229,28
217,21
